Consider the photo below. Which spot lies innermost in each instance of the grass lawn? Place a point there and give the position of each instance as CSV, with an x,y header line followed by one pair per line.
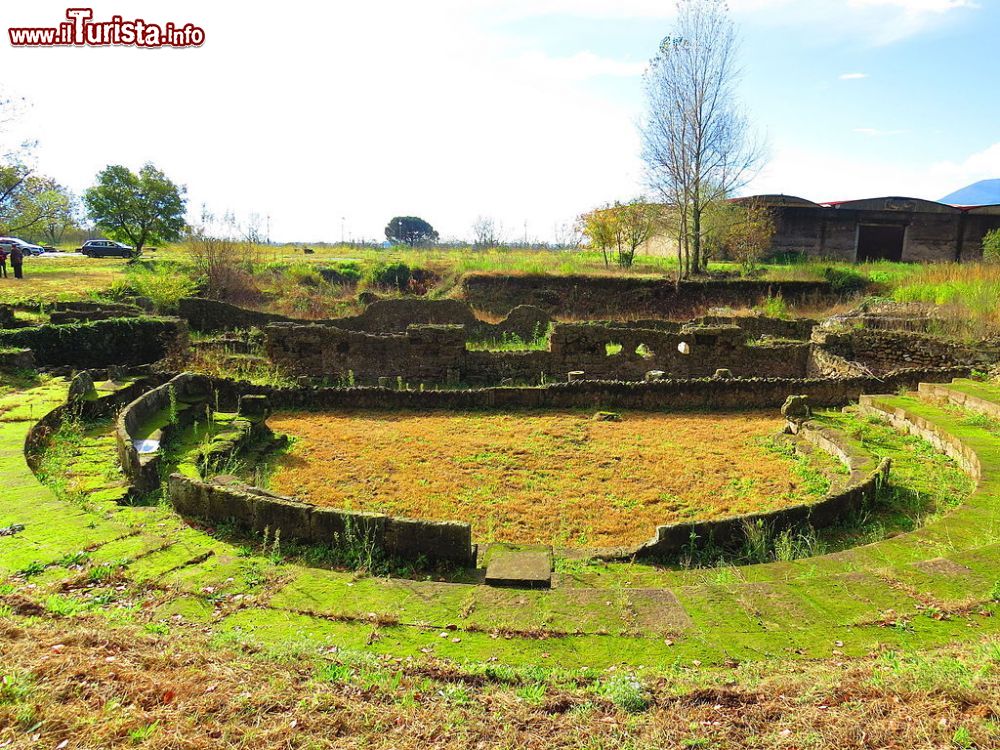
x,y
550,477
58,279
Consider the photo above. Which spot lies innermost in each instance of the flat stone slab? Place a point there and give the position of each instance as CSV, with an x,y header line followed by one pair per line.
x,y
146,446
525,569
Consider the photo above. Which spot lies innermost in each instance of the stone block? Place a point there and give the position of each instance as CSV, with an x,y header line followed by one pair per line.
x,y
520,568
254,407
81,387
796,409
232,505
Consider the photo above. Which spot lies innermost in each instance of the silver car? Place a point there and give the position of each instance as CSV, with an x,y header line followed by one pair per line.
x,y
26,247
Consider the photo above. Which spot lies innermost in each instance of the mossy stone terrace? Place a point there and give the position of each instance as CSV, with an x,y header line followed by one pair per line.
x,y
913,564
709,615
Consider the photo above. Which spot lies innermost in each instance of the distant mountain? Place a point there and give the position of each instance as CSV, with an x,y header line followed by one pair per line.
x,y
982,193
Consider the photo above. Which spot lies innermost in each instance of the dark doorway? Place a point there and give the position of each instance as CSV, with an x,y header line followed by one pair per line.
x,y
880,242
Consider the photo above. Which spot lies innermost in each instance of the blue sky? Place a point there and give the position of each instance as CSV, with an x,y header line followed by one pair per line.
x,y
323,116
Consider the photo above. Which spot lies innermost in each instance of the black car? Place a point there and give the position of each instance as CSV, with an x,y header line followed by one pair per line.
x,y
106,249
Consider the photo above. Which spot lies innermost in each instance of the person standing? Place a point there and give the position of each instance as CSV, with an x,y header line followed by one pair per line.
x,y
17,261
3,259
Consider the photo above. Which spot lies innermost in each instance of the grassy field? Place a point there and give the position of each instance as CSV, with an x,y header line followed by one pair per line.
x,y
548,477
90,683
287,280
127,627
52,279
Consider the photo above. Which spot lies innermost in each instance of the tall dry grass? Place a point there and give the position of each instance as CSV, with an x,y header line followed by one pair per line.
x,y
968,292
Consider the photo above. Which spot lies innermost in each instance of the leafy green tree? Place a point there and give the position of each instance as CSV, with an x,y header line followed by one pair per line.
x,y
622,227
411,230
61,216
748,233
34,206
136,208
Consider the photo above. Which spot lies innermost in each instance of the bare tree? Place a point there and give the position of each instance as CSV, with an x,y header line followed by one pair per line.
x,y
487,233
225,258
696,140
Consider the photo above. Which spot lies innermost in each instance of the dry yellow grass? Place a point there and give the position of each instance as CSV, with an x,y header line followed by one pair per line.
x,y
551,477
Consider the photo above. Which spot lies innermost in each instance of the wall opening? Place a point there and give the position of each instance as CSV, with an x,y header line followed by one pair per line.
x,y
880,242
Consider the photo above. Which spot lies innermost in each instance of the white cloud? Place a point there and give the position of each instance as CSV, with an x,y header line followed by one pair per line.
x,y
318,112
982,165
852,76
878,22
578,67
876,133
310,112
915,7
821,176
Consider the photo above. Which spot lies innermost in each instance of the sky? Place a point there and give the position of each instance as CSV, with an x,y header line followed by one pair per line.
x,y
327,119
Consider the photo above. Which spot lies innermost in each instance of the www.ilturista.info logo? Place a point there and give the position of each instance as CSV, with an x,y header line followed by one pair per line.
x,y
81,31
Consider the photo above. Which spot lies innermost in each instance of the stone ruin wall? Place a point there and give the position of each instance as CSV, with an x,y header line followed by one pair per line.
x,y
438,354
381,316
595,297
881,350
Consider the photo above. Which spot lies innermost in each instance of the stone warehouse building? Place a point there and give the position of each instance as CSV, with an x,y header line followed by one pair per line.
x,y
891,228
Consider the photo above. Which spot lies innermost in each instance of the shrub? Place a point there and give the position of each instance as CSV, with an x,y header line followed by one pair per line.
x,y
395,274
843,281
774,306
991,247
163,285
226,265
304,275
342,273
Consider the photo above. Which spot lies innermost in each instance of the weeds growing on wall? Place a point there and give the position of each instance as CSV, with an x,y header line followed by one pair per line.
x,y
249,368
763,543
774,307
511,342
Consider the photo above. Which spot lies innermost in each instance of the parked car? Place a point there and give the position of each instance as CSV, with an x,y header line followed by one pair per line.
x,y
26,247
106,249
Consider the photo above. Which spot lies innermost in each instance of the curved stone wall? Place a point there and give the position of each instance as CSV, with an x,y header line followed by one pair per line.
x,y
256,510
701,393
911,423
381,316
95,408
605,296
143,468
435,354
866,477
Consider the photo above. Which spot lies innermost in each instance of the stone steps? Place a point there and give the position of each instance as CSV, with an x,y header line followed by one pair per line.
x,y
983,398
803,608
